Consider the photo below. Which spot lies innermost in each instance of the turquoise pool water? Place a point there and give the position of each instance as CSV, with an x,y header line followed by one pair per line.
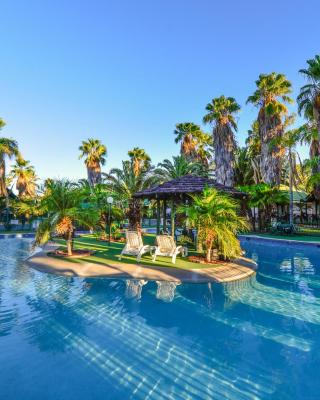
x,y
82,339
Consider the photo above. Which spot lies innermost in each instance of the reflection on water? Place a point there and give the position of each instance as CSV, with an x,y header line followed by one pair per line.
x,y
134,288
166,290
75,338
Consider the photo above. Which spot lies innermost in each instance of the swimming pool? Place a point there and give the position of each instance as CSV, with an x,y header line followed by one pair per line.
x,y
75,339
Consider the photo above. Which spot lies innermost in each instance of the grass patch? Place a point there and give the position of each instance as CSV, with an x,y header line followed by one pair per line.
x,y
105,254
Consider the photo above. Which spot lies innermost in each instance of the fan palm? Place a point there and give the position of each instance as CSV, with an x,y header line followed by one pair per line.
x,y
271,96
140,160
63,204
309,104
204,148
215,215
94,152
221,113
186,134
26,179
178,167
125,184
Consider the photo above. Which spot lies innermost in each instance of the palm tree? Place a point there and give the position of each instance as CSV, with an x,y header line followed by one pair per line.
x,y
98,195
8,148
309,105
264,197
309,135
244,172
63,204
221,112
125,184
140,160
215,216
288,141
26,179
94,152
271,97
253,144
186,134
178,167
204,149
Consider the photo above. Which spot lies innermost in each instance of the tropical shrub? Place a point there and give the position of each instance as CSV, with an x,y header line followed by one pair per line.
x,y
63,206
215,216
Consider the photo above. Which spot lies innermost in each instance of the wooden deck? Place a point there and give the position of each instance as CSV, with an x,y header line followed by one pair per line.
x,y
226,272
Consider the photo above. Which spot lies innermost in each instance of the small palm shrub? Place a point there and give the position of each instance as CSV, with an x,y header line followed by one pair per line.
x,y
63,207
215,216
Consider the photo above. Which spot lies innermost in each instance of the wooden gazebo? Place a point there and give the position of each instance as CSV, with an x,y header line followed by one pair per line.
x,y
177,191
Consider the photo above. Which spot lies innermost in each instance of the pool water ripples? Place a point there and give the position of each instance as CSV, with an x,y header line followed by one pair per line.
x,y
75,338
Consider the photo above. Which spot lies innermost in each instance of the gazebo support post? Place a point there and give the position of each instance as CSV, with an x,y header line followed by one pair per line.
x,y
164,226
173,212
158,216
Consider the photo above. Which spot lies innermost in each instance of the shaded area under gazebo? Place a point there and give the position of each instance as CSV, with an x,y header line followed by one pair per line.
x,y
178,191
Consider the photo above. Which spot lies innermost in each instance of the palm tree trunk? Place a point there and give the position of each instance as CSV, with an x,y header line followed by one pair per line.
x,y
224,150
209,250
315,150
270,127
290,188
69,243
94,174
134,214
3,187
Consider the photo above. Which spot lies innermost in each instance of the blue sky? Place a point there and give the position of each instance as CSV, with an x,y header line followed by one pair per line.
x,y
127,71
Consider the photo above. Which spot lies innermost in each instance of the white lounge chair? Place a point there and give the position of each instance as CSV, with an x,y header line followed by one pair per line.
x,y
166,246
134,245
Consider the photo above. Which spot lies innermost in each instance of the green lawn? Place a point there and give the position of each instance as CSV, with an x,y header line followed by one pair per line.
x,y
103,254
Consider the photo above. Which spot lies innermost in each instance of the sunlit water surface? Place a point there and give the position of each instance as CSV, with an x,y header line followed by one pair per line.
x,y
76,339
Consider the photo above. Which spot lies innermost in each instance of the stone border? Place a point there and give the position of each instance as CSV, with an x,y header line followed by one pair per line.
x,y
226,272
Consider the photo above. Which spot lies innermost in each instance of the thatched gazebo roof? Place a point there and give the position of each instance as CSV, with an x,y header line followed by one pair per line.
x,y
188,184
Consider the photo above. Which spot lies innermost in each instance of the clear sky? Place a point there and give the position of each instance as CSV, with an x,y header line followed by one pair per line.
x,y
127,71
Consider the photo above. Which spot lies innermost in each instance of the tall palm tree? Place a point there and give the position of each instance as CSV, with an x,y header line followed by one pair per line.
x,y
204,148
125,183
271,97
309,104
140,160
26,179
178,167
216,217
94,152
220,114
186,133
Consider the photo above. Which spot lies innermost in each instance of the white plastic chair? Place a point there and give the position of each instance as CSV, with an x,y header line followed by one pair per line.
x,y
166,247
134,245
